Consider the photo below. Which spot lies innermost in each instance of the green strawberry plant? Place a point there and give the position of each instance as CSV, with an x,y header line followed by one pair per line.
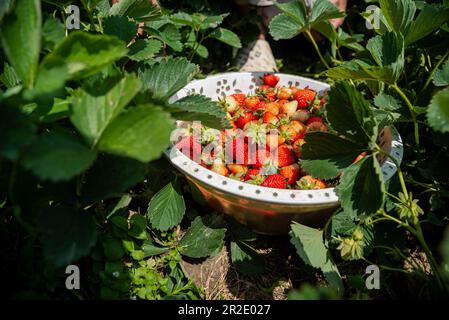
x,y
83,113
370,91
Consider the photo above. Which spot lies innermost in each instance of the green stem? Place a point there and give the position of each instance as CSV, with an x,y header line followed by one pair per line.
x,y
411,109
385,267
310,36
429,79
100,24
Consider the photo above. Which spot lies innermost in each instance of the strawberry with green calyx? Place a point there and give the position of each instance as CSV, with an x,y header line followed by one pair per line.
x,y
237,176
299,127
264,92
316,126
304,97
314,119
275,181
310,183
270,80
244,118
256,131
253,176
291,173
297,147
230,104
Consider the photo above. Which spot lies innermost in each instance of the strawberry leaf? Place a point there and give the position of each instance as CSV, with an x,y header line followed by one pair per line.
x,y
398,13
361,189
199,108
204,237
245,259
294,18
312,249
438,111
441,77
325,155
92,114
430,19
165,78
350,114
167,208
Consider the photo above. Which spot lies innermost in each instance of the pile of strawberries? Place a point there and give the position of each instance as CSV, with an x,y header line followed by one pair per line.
x,y
264,145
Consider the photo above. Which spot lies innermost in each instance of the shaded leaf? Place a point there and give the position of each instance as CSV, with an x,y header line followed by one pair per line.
x,y
398,13
226,36
66,234
110,176
245,259
57,156
325,155
122,27
430,19
204,237
441,77
144,49
312,249
140,10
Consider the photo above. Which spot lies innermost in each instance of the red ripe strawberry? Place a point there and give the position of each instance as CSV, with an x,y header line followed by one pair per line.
x,y
244,119
275,181
251,173
220,169
190,147
304,96
270,80
284,156
252,103
272,107
239,97
261,106
314,119
310,183
260,158
291,173
297,147
270,118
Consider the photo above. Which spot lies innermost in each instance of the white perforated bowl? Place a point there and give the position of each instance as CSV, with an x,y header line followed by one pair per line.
x,y
266,210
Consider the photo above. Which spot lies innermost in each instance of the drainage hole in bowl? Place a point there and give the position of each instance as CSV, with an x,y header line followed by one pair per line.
x,y
224,183
327,194
184,163
275,194
196,170
240,187
209,176
310,195
257,191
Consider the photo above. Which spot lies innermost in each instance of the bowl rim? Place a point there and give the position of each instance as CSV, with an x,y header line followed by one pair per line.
x,y
291,197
